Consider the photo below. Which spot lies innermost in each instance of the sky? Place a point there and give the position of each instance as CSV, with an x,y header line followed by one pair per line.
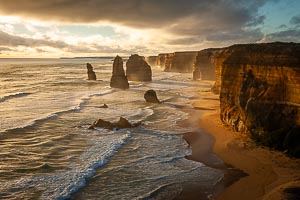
x,y
69,28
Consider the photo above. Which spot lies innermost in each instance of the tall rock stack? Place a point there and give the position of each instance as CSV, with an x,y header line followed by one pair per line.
x,y
118,79
137,69
90,72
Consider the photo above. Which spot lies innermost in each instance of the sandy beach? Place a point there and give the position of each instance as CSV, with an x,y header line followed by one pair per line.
x,y
264,174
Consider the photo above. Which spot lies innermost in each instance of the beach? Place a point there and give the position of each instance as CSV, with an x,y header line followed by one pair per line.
x,y
266,173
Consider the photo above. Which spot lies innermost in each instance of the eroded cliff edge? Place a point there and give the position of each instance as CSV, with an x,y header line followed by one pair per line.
x,y
182,62
260,92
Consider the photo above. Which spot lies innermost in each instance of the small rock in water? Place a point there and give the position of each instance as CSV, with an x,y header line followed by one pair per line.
x,y
104,106
122,123
102,124
150,96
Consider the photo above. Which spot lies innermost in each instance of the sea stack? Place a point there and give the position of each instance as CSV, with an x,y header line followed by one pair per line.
x,y
137,69
90,72
118,79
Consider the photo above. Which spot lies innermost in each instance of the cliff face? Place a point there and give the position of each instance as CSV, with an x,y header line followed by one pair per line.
x,y
178,61
161,59
152,60
204,67
168,62
137,69
183,61
260,92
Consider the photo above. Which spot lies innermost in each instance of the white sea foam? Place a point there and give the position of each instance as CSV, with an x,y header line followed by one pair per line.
x,y
62,184
14,95
30,123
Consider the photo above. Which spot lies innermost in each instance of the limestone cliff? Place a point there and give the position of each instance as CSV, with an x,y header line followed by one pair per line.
x,y
178,61
260,92
161,60
183,61
152,60
137,69
204,67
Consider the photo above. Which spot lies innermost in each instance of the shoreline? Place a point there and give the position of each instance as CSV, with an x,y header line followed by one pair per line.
x,y
202,144
260,173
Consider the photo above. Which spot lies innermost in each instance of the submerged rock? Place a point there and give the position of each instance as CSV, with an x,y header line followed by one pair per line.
x,y
137,69
104,106
122,123
91,74
151,97
102,124
118,79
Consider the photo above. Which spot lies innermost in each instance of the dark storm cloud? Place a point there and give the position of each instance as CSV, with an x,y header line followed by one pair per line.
x,y
284,36
14,41
242,35
295,20
179,16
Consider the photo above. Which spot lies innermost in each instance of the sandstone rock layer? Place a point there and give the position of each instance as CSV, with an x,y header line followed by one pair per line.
x,y
118,79
204,67
260,92
152,60
137,69
90,72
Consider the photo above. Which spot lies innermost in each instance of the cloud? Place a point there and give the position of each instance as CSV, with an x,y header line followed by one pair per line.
x,y
295,20
5,49
10,40
136,26
244,36
283,36
183,17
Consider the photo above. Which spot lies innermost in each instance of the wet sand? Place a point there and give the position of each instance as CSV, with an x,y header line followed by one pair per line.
x,y
269,173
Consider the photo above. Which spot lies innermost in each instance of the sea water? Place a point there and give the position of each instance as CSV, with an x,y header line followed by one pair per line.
x,y
48,152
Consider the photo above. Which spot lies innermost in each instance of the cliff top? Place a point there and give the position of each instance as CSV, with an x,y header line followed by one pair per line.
x,y
278,54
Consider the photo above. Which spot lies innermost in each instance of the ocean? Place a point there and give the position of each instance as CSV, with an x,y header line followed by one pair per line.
x,y
48,152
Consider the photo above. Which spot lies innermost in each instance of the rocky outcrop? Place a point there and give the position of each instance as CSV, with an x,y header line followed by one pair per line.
x,y
161,60
151,97
168,62
137,69
152,60
90,72
260,92
177,62
204,67
122,123
118,79
183,62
